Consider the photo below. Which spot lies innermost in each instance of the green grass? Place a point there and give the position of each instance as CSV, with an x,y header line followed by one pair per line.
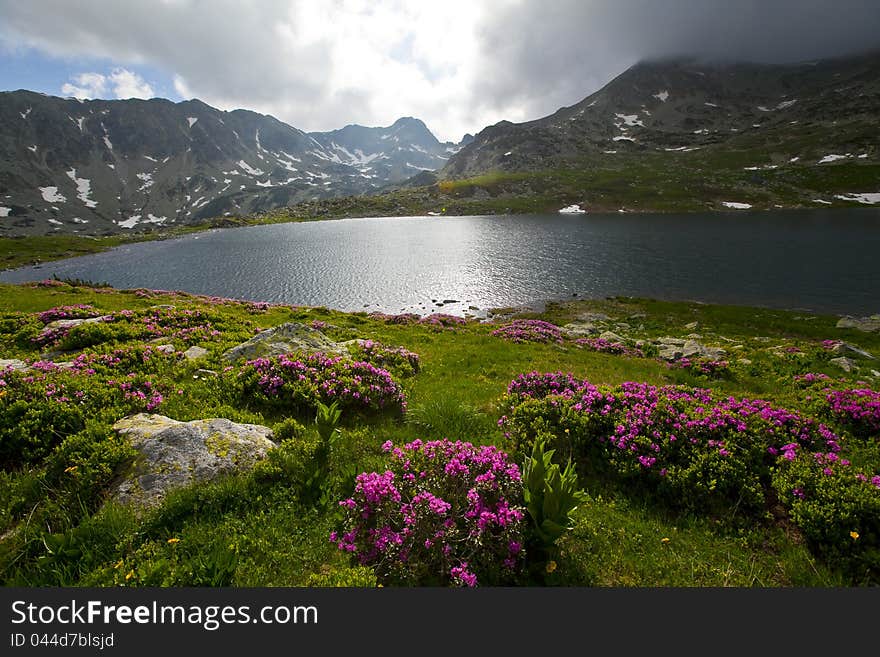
x,y
256,530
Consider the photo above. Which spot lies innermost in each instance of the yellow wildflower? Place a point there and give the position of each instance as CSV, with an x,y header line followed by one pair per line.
x,y
118,564
71,469
854,535
129,575
173,540
551,566
664,540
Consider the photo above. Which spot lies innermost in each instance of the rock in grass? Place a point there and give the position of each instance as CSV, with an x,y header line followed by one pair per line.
x,y
194,353
579,329
844,363
14,364
283,339
844,347
172,454
866,324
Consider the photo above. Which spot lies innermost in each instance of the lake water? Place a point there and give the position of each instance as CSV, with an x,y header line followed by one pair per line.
x,y
822,261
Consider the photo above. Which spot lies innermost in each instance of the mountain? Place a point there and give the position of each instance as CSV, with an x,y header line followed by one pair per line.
x,y
778,134
391,154
110,166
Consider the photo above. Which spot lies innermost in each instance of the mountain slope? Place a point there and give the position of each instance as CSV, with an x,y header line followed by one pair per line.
x,y
101,167
746,119
392,154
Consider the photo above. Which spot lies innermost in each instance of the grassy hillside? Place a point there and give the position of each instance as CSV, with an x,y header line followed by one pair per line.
x,y
733,523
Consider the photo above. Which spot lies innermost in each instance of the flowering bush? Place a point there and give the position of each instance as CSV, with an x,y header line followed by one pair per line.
x,y
857,408
297,383
837,508
712,369
439,321
77,311
442,513
609,347
404,318
697,450
529,330
397,360
39,408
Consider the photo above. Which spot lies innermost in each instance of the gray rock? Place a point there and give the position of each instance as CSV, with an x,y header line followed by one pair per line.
x,y
205,373
594,317
172,454
845,348
844,363
194,353
691,326
283,339
866,324
166,348
622,326
744,361
14,363
678,342
875,373
670,352
694,336
637,316
580,329
70,323
612,337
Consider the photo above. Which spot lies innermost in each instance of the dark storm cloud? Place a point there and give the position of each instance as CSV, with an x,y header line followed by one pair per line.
x,y
540,56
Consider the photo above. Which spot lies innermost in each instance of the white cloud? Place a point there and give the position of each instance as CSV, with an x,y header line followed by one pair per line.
x,y
123,84
127,84
458,65
87,85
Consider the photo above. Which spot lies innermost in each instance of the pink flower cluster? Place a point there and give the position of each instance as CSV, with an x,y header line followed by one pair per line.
x,y
529,330
442,513
609,347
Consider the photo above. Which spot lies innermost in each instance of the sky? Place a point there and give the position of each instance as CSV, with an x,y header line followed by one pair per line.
x,y
459,65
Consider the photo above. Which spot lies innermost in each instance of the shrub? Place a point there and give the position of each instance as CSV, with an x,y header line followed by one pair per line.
x,y
442,513
397,360
296,384
857,408
609,347
529,330
837,509
698,451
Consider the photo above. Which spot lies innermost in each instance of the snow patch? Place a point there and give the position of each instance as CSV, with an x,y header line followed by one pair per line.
x,y
151,159
870,198
508,153
833,158
148,181
572,209
631,120
736,206
153,219
83,189
413,166
32,149
131,222
662,96
794,159
268,183
819,200
24,114
108,143
56,222
623,138
77,220
786,104
191,120
710,105
249,169
112,166
51,195
4,211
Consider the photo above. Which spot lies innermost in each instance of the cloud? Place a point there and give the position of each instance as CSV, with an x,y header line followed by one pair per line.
x,y
124,84
458,65
88,85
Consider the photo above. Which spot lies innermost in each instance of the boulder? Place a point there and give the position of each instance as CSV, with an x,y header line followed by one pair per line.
x,y
612,337
173,454
284,339
194,353
166,349
594,317
844,363
14,364
670,352
70,323
842,348
866,324
691,326
580,329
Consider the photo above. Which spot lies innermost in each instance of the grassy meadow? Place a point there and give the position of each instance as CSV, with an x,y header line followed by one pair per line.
x,y
719,514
